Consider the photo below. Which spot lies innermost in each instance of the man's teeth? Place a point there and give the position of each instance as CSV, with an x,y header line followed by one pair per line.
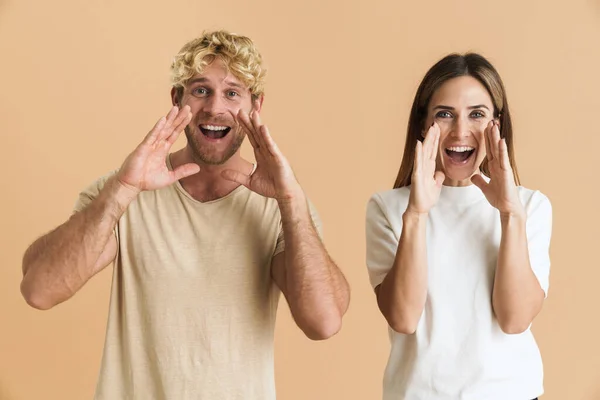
x,y
213,127
461,149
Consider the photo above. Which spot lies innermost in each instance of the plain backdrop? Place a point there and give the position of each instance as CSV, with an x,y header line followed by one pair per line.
x,y
82,82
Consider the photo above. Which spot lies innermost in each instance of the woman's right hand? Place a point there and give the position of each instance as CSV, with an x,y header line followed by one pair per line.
x,y
145,168
426,182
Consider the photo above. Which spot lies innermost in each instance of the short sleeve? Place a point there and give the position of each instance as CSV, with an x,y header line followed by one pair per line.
x,y
280,246
539,232
382,242
91,192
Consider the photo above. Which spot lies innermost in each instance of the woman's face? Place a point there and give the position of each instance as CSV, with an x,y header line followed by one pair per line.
x,y
463,108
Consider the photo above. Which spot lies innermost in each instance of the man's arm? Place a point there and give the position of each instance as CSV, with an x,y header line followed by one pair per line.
x,y
313,285
59,263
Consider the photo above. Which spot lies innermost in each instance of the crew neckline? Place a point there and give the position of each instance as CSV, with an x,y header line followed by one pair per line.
x,y
184,192
462,194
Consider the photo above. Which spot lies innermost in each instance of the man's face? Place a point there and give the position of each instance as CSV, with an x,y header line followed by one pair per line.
x,y
215,97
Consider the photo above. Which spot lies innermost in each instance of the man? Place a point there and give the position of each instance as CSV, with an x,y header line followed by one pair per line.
x,y
202,242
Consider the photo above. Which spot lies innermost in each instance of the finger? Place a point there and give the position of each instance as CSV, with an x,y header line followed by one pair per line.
x,y
418,156
187,117
153,134
480,183
488,145
270,144
436,142
182,115
184,171
256,123
167,129
237,125
244,119
427,141
495,138
236,176
246,125
503,155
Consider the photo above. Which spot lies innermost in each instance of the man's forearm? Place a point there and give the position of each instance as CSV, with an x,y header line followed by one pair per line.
x,y
316,289
517,295
59,263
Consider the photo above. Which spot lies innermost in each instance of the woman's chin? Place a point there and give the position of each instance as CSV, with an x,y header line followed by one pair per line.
x,y
458,178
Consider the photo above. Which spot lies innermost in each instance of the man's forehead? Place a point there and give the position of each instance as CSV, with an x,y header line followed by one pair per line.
x,y
217,76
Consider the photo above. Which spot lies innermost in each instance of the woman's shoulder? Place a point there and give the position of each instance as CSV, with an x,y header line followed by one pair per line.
x,y
534,199
395,199
531,195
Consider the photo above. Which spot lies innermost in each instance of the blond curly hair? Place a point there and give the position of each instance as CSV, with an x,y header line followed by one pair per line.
x,y
237,52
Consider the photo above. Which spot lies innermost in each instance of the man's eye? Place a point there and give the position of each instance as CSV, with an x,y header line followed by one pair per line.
x,y
231,93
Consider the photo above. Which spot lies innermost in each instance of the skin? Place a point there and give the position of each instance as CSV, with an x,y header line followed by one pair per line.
x,y
460,113
59,263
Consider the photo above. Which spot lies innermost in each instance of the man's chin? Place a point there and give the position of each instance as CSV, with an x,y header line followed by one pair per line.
x,y
204,155
213,159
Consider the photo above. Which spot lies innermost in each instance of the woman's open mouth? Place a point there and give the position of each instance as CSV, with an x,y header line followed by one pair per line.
x,y
459,154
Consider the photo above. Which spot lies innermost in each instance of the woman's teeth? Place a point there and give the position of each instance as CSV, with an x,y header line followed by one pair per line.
x,y
460,149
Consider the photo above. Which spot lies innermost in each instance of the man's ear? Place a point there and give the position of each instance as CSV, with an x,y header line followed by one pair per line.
x,y
258,102
175,94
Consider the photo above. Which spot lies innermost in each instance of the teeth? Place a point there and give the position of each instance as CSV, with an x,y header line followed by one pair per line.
x,y
213,127
461,149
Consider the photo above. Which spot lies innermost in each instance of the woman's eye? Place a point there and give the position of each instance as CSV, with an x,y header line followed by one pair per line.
x,y
443,114
477,114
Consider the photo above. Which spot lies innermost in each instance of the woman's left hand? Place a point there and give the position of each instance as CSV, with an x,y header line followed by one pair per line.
x,y
501,191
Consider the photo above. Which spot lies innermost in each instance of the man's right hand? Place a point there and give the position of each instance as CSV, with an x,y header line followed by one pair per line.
x,y
145,168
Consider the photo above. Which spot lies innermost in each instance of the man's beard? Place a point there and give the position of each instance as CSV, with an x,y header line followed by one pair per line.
x,y
206,154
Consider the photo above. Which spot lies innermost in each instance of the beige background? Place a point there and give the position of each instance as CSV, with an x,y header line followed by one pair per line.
x,y
82,82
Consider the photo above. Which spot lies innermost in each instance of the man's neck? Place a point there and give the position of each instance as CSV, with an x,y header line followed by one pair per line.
x,y
208,184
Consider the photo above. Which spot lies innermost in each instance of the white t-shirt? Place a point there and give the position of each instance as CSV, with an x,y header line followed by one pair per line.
x,y
458,351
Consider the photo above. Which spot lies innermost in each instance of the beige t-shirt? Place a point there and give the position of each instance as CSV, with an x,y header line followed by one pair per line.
x,y
193,305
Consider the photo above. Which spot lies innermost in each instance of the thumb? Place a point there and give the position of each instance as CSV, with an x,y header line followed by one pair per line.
x,y
236,176
439,178
185,170
480,183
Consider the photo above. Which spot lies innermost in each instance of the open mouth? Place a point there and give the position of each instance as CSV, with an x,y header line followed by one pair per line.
x,y
460,154
215,131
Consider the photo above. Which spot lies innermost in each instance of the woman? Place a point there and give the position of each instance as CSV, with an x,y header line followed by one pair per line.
x,y
457,252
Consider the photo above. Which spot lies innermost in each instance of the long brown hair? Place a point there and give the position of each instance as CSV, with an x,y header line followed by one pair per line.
x,y
453,66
